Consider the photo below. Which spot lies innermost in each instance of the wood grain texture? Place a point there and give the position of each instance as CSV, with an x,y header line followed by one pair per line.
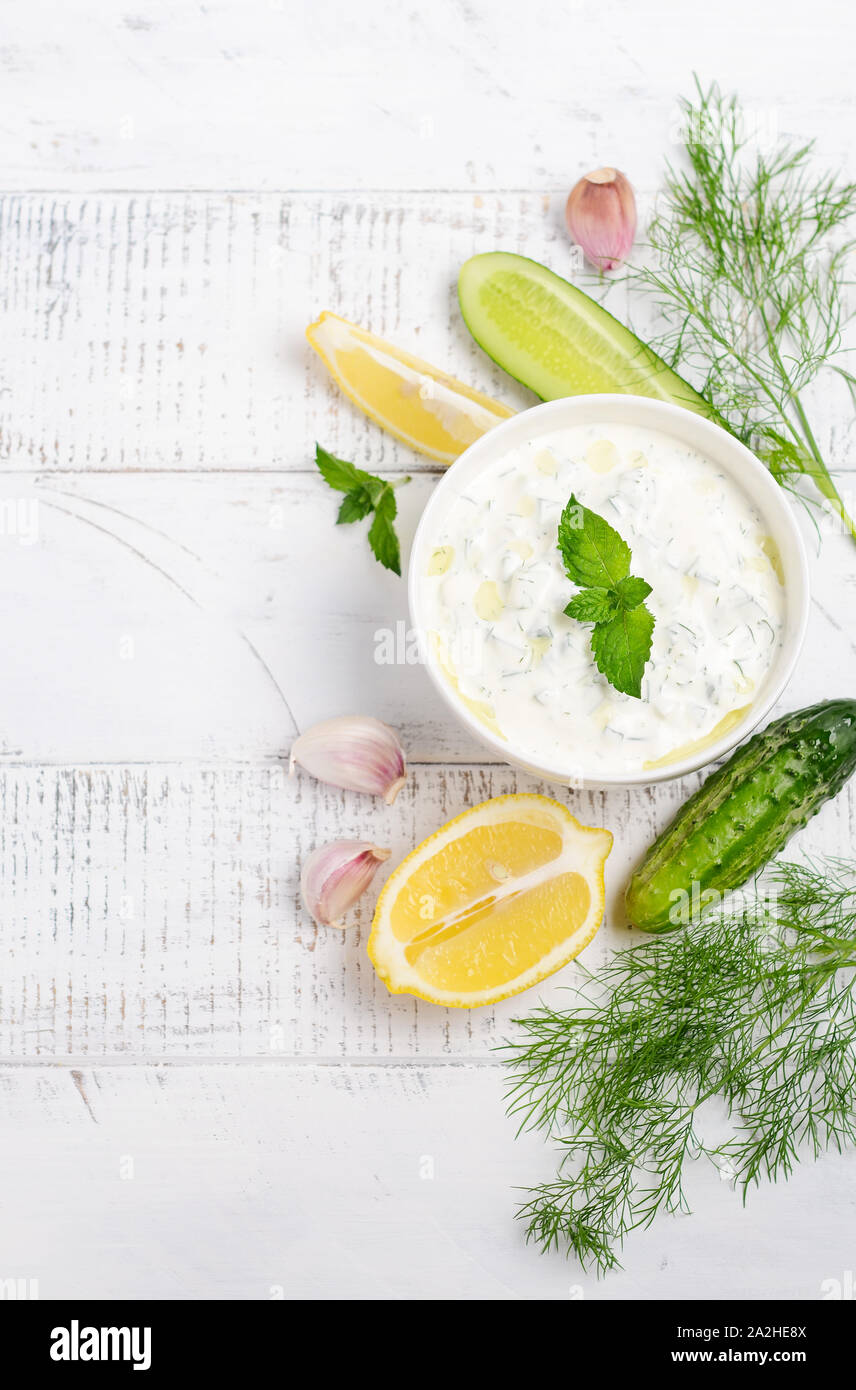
x,y
154,911
167,331
392,1183
281,94
159,617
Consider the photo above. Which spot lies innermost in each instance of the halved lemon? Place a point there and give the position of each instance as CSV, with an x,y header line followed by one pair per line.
x,y
424,407
490,904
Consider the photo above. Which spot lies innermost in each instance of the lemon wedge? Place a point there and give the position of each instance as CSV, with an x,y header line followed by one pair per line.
x,y
424,407
490,904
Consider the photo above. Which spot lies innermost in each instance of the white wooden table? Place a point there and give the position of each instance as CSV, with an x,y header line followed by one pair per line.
x,y
202,1094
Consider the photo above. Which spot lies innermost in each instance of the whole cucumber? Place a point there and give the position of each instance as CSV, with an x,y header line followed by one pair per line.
x,y
745,813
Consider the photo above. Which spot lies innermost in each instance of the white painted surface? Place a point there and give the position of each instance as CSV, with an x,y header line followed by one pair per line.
x,y
376,1182
283,94
178,601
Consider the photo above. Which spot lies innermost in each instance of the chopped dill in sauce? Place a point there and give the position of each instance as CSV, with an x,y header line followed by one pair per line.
x,y
695,535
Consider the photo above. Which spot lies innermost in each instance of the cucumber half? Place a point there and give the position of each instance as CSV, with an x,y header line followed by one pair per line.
x,y
555,339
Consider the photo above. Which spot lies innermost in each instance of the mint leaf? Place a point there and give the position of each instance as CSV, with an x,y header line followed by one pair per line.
x,y
340,474
632,591
355,506
594,555
365,493
598,560
382,537
592,605
622,647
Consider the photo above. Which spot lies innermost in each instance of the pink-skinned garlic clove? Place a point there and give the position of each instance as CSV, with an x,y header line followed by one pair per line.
x,y
356,752
335,876
601,217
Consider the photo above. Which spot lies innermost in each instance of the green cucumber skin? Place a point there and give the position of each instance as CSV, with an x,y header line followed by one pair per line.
x,y
745,813
673,387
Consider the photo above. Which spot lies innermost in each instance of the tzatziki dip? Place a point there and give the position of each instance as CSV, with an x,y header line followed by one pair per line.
x,y
495,590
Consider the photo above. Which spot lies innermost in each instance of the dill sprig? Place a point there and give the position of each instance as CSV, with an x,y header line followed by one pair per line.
x,y
750,279
754,1006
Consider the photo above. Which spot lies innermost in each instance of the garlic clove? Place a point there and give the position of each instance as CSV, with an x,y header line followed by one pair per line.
x,y
334,876
601,217
355,752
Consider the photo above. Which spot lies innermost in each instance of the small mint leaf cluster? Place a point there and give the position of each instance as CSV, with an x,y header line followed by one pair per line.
x,y
598,561
365,493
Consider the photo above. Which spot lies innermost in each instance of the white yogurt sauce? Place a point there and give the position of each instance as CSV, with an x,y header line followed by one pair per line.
x,y
496,590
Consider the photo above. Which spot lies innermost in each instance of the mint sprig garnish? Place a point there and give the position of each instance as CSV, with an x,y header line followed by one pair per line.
x,y
598,560
365,493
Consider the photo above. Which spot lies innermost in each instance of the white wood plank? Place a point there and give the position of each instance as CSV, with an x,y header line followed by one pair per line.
x,y
167,331
154,911
254,1182
279,94
199,617
160,617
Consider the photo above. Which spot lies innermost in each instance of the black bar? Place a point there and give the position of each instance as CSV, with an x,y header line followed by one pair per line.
x,y
223,1338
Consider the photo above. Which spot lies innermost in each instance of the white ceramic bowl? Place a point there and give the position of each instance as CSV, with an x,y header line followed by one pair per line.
x,y
689,429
